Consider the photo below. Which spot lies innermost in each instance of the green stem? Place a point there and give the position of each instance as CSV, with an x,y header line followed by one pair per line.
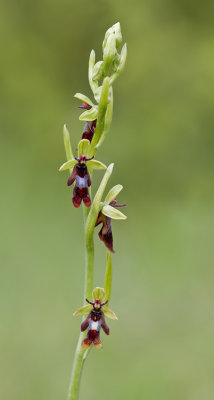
x,y
108,277
80,353
89,271
89,256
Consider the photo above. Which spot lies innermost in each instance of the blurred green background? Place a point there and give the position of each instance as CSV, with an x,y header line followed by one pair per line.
x,y
161,142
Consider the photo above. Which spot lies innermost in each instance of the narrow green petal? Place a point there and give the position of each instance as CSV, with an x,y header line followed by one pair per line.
x,y
98,293
94,164
68,165
83,98
108,277
83,147
113,193
109,313
83,310
113,213
89,115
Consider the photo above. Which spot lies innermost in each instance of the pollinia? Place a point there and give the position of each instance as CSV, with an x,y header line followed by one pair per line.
x,y
97,115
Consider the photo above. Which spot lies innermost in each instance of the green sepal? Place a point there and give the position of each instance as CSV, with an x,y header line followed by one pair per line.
x,y
68,165
109,313
93,84
83,147
108,277
89,115
94,164
83,310
83,98
112,212
113,193
67,143
98,70
98,293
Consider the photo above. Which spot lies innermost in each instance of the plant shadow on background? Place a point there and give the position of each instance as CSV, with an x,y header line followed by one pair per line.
x,y
162,344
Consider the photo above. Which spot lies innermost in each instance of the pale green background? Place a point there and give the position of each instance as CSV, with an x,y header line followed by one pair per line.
x,y
161,141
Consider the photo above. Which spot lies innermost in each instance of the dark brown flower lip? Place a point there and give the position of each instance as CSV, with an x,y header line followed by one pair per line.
x,y
105,233
82,177
89,130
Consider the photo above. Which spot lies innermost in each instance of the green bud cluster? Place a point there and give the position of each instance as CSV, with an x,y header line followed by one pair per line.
x,y
113,62
102,74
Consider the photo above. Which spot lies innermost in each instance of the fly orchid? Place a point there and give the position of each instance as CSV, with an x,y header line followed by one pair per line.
x,y
79,173
107,213
97,116
95,320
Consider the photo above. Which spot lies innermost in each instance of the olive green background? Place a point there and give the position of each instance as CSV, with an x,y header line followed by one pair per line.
x,y
161,142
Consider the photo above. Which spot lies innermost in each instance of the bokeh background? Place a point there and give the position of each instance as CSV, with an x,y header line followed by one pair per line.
x,y
161,142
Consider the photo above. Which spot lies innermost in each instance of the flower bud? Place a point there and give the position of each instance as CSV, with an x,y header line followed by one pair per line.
x,y
107,34
118,34
116,62
109,53
116,30
98,70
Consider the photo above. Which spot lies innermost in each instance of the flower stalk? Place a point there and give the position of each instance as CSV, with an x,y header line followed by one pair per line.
x,y
98,117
